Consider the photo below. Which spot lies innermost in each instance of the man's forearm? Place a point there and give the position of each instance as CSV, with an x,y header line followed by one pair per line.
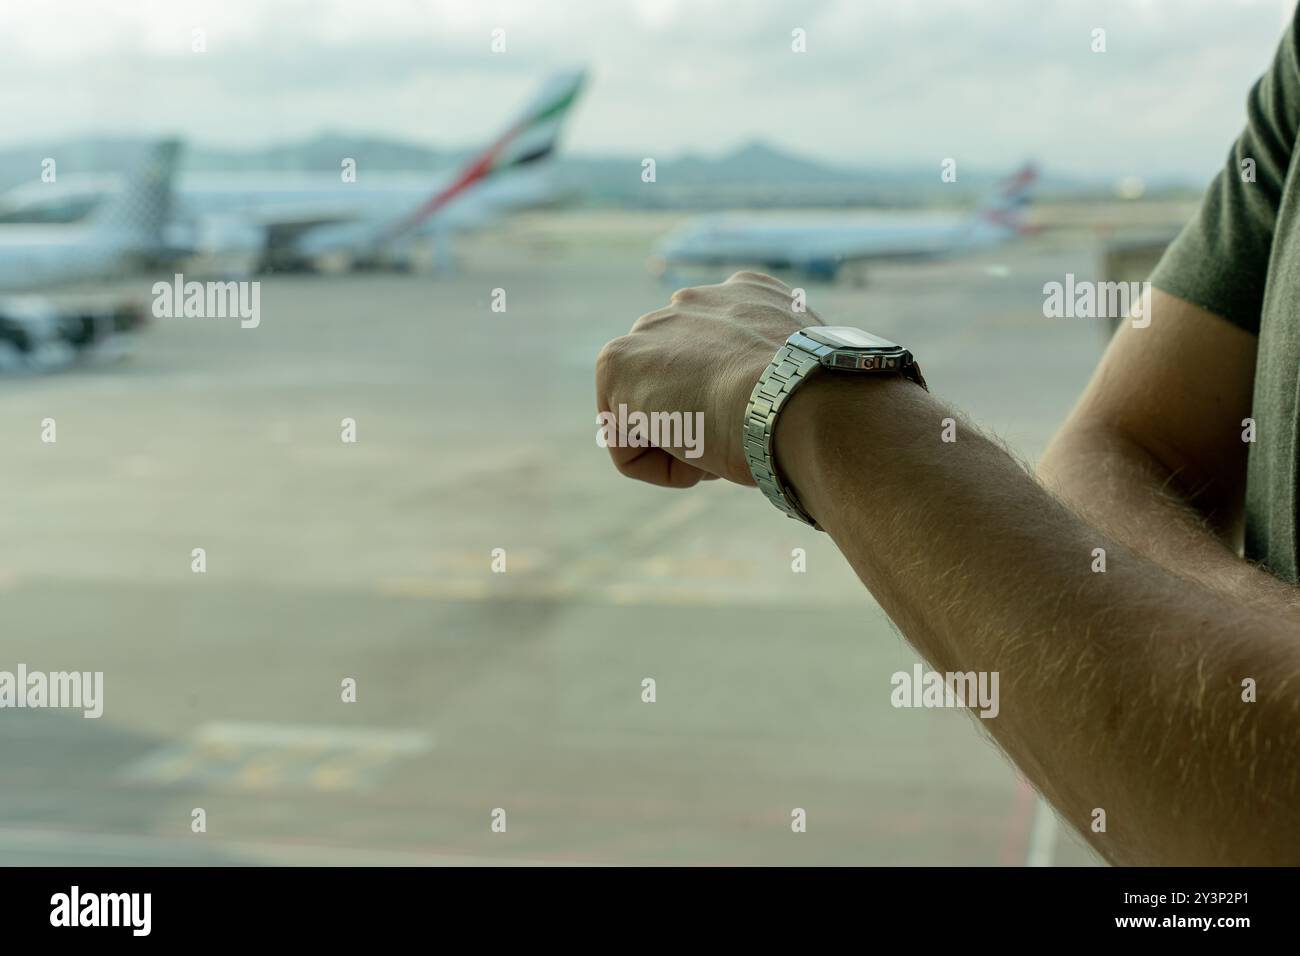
x,y
1123,489
1119,690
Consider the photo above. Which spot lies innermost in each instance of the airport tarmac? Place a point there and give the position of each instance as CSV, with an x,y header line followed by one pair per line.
x,y
477,691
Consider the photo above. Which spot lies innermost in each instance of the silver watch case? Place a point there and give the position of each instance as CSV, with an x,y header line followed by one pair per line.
x,y
847,349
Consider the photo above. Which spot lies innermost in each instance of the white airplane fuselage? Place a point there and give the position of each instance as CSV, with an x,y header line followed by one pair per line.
x,y
821,244
286,218
38,257
799,241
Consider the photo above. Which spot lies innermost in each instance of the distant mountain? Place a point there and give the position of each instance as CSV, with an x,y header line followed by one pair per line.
x,y
757,162
756,174
323,153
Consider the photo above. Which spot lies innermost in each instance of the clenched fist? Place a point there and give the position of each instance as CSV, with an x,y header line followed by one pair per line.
x,y
699,357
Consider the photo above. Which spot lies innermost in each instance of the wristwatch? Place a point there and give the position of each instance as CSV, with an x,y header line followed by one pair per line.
x,y
835,347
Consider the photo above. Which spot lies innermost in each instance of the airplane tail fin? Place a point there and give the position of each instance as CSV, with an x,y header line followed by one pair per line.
x,y
137,215
1008,208
531,138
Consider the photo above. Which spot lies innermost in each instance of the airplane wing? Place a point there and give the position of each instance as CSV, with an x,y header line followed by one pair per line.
x,y
284,231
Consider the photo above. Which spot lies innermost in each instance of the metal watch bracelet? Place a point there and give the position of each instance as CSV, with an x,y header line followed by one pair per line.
x,y
793,363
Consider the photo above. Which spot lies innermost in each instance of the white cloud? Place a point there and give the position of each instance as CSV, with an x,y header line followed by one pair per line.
x,y
888,81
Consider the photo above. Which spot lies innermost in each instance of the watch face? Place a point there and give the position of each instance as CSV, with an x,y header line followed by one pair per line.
x,y
846,337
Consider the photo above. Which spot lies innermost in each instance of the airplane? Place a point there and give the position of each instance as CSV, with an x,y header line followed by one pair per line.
x,y
820,247
111,242
39,335
509,171
118,238
329,225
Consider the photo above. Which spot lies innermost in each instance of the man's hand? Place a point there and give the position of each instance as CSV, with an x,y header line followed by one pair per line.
x,y
702,353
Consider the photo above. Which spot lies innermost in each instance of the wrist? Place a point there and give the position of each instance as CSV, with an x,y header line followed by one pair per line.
x,y
830,414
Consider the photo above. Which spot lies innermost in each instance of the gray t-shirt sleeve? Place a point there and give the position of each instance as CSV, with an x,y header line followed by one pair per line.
x,y
1220,260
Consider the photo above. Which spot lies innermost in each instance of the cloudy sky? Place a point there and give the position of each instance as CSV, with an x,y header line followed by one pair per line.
x,y
883,81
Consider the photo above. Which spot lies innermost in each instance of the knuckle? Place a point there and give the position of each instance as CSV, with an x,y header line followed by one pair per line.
x,y
611,351
768,282
649,319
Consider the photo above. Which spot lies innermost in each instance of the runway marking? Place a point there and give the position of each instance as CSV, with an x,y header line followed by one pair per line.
x,y
238,733
1030,838
1015,837
625,594
1042,836
110,848
652,594
251,756
462,590
586,578
675,515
